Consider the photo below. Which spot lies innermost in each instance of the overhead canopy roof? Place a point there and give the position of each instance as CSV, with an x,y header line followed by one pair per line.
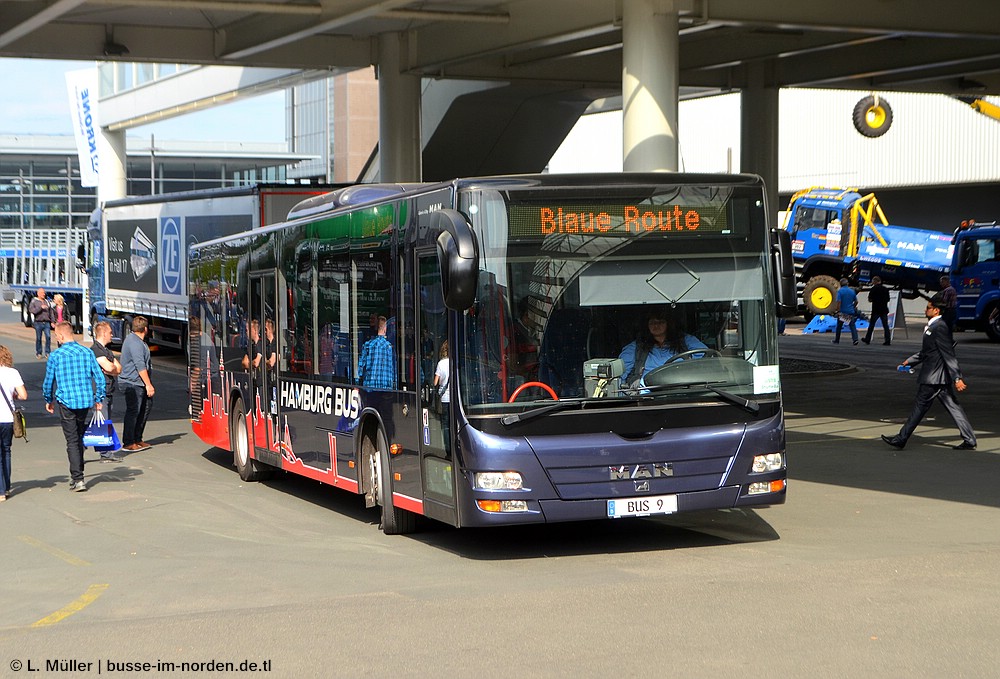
x,y
912,45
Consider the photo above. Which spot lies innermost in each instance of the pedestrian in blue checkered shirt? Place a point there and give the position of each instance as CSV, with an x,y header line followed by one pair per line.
x,y
79,386
376,367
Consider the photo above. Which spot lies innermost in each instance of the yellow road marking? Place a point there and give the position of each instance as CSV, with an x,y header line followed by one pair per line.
x,y
54,551
89,597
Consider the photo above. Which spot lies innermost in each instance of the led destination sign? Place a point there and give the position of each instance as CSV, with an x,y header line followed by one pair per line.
x,y
623,220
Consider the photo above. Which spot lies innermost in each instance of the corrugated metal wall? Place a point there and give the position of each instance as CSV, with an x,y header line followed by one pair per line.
x,y
934,139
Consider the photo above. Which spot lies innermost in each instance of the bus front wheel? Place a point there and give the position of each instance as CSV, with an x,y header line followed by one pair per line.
x,y
395,521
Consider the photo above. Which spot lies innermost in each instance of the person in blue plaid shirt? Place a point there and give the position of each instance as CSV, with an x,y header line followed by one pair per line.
x,y
79,386
376,367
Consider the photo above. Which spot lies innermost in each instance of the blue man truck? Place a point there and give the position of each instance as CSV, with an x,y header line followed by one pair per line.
x,y
975,275
840,233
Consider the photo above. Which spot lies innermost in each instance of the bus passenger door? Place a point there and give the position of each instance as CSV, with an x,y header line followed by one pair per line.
x,y
436,418
262,353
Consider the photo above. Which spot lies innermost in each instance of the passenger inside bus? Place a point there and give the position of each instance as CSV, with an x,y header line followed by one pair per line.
x,y
270,345
661,340
253,354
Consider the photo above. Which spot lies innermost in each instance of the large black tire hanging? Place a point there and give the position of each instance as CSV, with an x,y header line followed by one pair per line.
x,y
872,116
820,294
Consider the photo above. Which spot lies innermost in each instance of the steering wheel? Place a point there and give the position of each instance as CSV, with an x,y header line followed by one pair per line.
x,y
526,385
664,370
688,354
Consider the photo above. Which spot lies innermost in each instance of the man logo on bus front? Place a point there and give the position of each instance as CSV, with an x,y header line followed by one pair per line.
x,y
641,471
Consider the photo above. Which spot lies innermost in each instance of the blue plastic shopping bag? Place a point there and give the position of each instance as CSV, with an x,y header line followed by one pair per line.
x,y
101,434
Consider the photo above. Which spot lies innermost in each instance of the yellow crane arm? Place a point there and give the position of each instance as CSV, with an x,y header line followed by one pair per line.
x,y
981,105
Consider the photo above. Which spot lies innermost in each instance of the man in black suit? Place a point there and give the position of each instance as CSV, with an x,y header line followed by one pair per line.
x,y
879,297
939,373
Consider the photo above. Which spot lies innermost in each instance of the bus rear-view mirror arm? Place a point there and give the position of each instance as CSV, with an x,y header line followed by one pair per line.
x,y
458,256
784,273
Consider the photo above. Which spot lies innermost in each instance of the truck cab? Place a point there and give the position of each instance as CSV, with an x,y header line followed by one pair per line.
x,y
839,233
975,275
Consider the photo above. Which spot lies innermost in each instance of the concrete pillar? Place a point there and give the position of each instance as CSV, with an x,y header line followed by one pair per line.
x,y
759,131
111,156
399,114
650,82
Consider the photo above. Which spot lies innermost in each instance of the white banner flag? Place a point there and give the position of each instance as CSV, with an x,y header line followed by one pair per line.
x,y
82,86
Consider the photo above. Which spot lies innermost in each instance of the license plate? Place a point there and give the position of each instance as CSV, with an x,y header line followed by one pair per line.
x,y
642,506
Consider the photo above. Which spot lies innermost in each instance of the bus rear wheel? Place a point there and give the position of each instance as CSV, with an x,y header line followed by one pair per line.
x,y
239,438
395,521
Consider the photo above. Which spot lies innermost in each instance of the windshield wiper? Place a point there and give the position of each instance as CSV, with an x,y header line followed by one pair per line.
x,y
747,404
555,406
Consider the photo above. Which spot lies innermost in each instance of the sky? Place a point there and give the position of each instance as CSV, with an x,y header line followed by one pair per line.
x,y
35,101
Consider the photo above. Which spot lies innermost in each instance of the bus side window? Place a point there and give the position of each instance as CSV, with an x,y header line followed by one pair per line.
x,y
298,323
374,310
333,314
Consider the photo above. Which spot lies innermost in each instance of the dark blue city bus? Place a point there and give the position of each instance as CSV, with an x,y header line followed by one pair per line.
x,y
537,285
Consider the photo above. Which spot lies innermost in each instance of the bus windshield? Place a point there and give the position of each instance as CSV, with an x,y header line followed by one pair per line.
x,y
651,292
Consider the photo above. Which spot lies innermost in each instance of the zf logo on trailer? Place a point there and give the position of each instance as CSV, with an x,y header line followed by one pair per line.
x,y
170,266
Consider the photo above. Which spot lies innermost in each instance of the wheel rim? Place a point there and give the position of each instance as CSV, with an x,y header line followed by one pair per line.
x,y
821,298
376,478
242,447
875,117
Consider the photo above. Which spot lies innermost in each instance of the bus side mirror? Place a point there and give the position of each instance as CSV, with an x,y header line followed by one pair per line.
x,y
458,257
784,273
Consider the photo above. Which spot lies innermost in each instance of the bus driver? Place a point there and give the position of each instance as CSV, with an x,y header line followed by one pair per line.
x,y
662,340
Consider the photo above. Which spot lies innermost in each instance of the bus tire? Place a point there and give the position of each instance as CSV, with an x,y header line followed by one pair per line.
x,y
395,521
872,116
25,314
239,438
992,324
820,294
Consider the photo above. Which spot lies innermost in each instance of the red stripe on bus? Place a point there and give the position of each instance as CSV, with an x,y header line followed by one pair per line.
x,y
410,504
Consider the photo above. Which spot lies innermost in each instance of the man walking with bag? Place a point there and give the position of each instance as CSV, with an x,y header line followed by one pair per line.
x,y
939,374
111,369
137,386
79,386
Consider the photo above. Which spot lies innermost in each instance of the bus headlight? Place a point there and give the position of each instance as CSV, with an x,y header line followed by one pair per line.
x,y
498,481
770,462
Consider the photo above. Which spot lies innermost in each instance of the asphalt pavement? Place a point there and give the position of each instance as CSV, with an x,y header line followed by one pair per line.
x,y
881,562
